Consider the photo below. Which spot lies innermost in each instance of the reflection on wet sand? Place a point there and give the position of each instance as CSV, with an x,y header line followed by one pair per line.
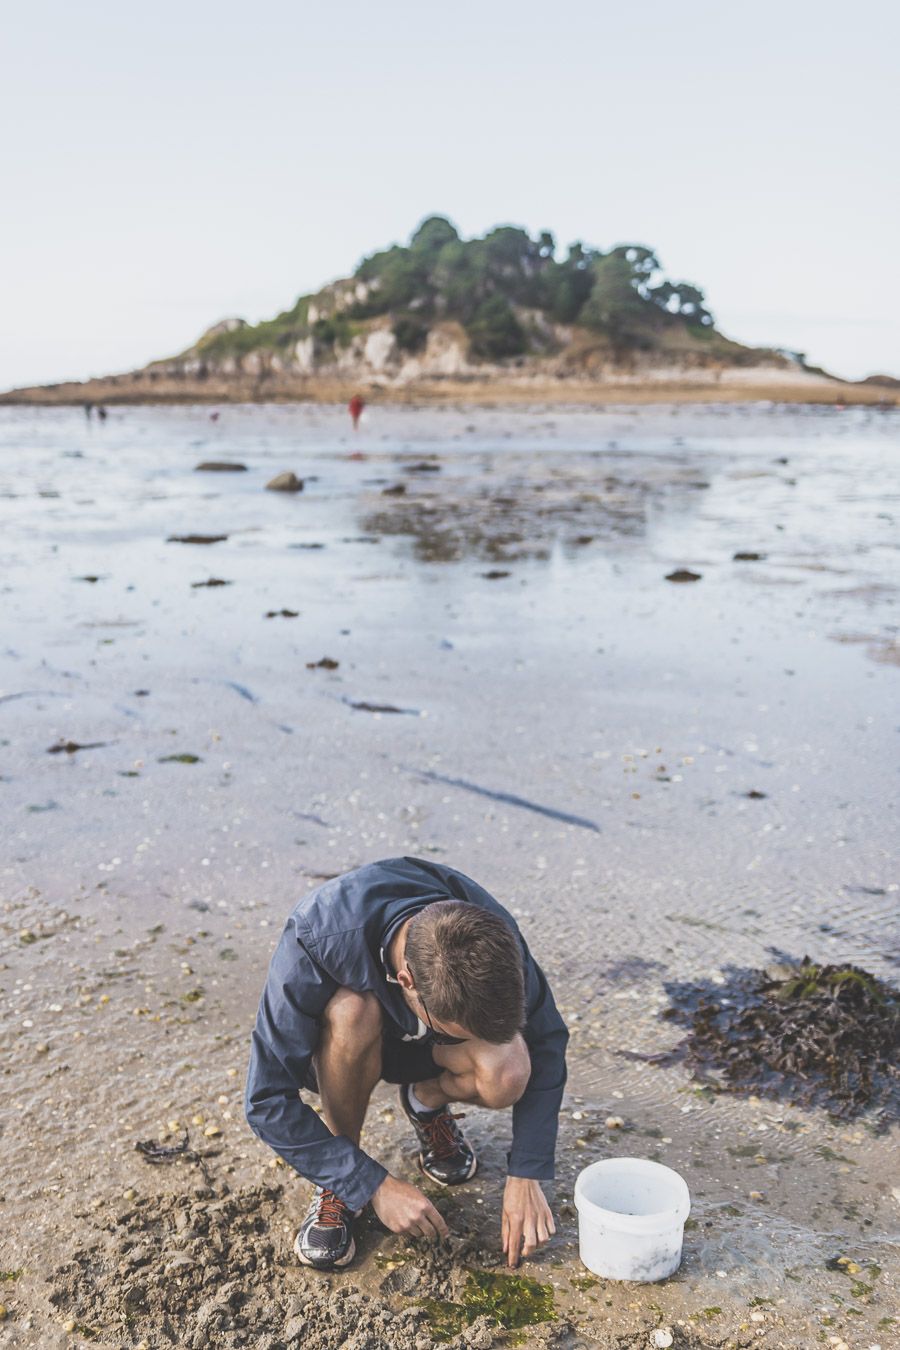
x,y
489,668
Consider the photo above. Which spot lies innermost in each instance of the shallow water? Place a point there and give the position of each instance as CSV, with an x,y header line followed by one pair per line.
x,y
579,734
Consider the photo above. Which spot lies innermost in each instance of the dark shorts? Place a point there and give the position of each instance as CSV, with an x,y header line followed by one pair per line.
x,y
401,1062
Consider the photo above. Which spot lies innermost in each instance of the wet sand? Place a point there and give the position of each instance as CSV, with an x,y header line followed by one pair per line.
x,y
570,728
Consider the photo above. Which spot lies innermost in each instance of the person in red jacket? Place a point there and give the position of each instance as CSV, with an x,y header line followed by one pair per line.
x,y
355,408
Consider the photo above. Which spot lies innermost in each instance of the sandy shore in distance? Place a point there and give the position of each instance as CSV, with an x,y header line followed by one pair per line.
x,y
736,386
701,776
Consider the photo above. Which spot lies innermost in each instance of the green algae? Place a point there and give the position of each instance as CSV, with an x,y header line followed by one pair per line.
x,y
510,1301
583,1281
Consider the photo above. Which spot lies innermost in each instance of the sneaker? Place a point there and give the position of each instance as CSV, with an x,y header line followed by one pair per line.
x,y
325,1239
446,1155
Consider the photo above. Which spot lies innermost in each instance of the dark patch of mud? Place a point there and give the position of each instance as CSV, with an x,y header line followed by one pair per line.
x,y
207,1268
514,516
814,1035
214,1268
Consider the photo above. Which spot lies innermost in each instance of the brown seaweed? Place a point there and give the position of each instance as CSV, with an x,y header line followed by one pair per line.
x,y
825,1035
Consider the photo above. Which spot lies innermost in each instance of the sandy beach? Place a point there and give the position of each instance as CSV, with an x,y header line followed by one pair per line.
x,y
459,642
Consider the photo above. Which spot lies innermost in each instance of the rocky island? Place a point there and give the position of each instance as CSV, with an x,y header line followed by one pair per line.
x,y
503,318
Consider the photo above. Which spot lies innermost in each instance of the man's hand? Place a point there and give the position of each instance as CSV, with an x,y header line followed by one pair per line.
x,y
404,1209
527,1222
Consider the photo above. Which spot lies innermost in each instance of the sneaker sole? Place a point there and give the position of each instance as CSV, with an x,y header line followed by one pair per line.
x,y
322,1265
462,1180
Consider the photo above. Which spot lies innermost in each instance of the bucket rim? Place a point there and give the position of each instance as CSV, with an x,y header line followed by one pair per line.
x,y
672,1216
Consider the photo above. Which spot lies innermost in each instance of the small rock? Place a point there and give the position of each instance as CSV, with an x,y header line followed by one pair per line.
x,y
662,1338
396,491
219,466
479,1335
4,1312
211,1131
325,663
614,1123
683,574
285,482
748,557
196,538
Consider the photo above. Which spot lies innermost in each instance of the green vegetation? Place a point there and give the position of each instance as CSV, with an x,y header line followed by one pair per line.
x,y
506,289
812,980
510,1301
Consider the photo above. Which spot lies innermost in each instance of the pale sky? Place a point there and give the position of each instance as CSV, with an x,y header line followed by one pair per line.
x,y
166,165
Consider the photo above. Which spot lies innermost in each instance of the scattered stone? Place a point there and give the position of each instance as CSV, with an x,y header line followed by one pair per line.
x,y
220,466
326,663
282,613
196,538
614,1123
495,574
213,581
285,482
397,490
662,1338
184,758
424,466
755,795
683,574
746,556
72,747
93,580
380,708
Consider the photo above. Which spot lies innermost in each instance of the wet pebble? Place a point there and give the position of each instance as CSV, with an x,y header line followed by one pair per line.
x,y
683,574
285,482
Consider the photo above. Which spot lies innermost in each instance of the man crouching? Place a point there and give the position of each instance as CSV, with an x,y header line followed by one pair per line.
x,y
410,972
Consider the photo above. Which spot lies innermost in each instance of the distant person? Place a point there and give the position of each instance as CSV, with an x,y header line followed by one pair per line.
x,y
355,407
214,416
101,412
410,972
88,409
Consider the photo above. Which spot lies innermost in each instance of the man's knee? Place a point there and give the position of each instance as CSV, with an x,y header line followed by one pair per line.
x,y
501,1081
354,1017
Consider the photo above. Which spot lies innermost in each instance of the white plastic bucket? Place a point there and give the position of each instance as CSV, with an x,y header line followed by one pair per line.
x,y
631,1215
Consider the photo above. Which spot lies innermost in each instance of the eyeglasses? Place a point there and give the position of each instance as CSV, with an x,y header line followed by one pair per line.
x,y
440,1037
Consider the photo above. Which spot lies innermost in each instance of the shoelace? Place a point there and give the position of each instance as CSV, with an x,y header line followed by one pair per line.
x,y
443,1136
331,1212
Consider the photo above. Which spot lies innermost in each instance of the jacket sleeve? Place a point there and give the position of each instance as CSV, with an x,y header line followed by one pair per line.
x,y
285,1036
536,1113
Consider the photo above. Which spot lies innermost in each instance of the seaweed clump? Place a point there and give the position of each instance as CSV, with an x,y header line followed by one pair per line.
x,y
823,1035
509,1302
